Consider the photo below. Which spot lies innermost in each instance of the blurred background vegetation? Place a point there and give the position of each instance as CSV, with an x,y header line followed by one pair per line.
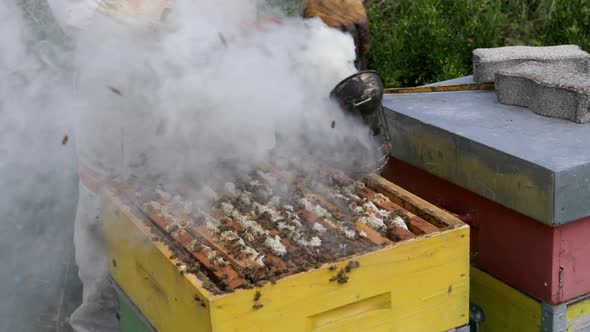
x,y
422,41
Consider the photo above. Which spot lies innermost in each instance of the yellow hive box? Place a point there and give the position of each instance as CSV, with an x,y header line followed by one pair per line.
x,y
506,309
419,285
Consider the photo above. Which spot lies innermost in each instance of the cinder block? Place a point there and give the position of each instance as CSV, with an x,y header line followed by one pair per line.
x,y
553,90
488,61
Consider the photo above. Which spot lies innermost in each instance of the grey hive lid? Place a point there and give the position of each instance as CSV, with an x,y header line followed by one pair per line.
x,y
535,165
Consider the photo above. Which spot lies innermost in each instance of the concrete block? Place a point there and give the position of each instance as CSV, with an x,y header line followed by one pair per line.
x,y
553,90
488,61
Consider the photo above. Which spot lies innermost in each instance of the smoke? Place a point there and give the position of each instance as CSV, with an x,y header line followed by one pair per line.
x,y
202,97
35,115
37,172
210,87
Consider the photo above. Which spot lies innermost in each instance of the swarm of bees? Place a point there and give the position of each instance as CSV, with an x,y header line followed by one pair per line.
x,y
270,225
342,276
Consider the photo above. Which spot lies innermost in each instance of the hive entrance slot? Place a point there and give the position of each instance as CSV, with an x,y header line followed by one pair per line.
x,y
379,304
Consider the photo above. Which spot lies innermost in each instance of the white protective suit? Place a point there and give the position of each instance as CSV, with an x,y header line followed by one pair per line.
x,y
114,119
108,139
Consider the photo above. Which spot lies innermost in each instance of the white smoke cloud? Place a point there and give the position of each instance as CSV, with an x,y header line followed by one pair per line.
x,y
35,100
37,171
210,86
175,101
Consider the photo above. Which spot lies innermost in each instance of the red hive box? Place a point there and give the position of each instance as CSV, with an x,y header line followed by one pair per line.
x,y
549,263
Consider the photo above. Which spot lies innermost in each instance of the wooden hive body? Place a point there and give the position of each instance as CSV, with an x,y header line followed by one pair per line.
x,y
519,179
420,284
545,262
507,309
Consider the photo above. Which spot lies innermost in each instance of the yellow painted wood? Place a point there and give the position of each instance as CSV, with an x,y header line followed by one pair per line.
x,y
578,316
421,285
144,270
506,309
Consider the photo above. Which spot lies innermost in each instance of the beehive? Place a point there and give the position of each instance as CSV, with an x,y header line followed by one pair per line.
x,y
504,308
519,179
414,280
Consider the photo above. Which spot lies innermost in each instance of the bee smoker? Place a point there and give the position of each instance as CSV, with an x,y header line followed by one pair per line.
x,y
361,95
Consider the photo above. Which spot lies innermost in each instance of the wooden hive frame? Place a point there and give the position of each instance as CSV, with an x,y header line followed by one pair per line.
x,y
417,281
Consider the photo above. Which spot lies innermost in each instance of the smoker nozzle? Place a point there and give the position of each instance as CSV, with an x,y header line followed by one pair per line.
x,y
361,92
361,95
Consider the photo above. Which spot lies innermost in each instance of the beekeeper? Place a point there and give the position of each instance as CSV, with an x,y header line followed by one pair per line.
x,y
347,15
107,147
108,135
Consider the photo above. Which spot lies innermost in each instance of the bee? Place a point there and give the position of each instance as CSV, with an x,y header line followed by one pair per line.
x,y
224,285
342,278
165,14
257,296
348,267
64,141
257,306
115,91
332,268
222,39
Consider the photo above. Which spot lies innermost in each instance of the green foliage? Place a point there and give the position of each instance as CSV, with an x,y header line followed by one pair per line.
x,y
416,41
569,23
422,41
